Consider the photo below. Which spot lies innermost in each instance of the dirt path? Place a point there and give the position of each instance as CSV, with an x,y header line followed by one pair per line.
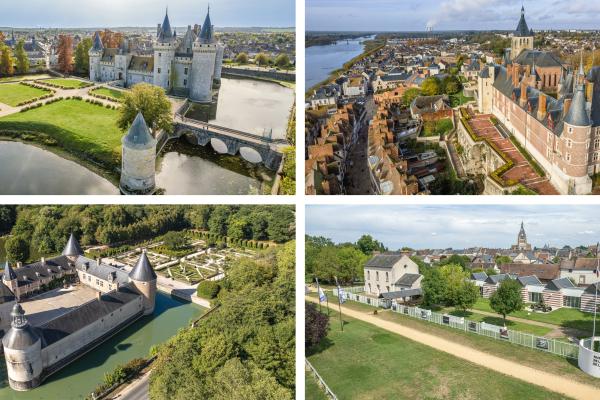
x,y
551,382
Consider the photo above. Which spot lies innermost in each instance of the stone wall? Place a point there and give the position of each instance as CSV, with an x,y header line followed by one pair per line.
x,y
203,66
251,73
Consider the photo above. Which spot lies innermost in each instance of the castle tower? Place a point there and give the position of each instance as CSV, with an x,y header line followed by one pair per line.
x,y
143,278
9,278
164,54
485,84
522,37
204,63
138,159
95,54
7,301
72,249
23,352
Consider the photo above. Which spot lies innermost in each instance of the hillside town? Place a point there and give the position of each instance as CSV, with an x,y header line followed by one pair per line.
x,y
429,114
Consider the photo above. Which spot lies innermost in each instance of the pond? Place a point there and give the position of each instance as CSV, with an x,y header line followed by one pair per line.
x,y
78,379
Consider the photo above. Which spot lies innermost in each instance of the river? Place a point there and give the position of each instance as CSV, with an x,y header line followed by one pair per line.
x,y
321,61
79,378
244,104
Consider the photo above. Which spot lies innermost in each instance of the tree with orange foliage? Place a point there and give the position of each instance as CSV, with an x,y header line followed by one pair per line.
x,y
110,39
2,37
65,53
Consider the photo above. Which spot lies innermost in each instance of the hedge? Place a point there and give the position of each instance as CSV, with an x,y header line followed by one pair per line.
x,y
208,289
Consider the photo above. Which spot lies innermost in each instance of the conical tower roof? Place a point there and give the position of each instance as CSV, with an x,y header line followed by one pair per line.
x,y
139,135
522,29
577,114
6,295
143,271
9,273
98,46
207,34
166,33
72,248
21,335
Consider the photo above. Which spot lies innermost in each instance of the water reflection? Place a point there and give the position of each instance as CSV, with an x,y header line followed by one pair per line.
x,y
26,169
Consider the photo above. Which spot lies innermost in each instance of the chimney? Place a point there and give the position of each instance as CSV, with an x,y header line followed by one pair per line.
x,y
523,93
516,72
98,295
542,106
567,106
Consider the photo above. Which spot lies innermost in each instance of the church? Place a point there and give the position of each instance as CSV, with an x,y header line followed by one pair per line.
x,y
187,66
546,105
522,244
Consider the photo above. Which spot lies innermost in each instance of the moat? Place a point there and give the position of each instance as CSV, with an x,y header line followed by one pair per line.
x,y
78,379
245,104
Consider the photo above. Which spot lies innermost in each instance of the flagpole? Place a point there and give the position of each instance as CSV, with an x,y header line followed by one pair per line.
x,y
596,300
318,292
339,303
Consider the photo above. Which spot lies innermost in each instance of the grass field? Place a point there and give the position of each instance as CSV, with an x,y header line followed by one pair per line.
x,y
87,130
459,99
312,389
366,362
14,93
566,317
112,93
71,83
531,357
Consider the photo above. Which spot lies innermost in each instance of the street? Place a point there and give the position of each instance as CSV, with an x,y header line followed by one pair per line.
x,y
358,180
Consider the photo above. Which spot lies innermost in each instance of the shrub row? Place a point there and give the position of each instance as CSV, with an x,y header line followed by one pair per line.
x,y
83,85
37,137
101,96
464,114
34,106
36,86
46,96
101,104
212,237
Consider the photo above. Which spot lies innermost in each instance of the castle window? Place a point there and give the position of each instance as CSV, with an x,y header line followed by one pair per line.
x,y
597,143
185,82
185,71
596,156
568,156
569,143
377,277
159,70
387,277
160,54
368,274
570,130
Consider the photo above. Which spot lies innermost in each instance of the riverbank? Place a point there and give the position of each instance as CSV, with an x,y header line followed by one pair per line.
x,y
370,46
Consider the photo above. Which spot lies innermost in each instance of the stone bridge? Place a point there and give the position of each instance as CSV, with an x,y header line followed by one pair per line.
x,y
251,147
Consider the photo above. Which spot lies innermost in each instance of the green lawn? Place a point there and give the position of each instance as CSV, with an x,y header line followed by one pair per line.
x,y
518,326
366,362
15,93
459,99
312,389
18,78
71,83
112,93
84,129
436,128
566,317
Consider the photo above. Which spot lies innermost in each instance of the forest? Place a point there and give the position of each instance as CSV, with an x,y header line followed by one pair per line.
x,y
245,348
45,229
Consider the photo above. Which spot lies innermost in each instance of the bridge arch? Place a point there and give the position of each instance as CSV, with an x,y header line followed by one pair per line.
x,y
219,145
251,155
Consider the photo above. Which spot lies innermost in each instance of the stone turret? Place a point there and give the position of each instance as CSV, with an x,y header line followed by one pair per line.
x,y
95,54
204,63
9,278
23,352
7,301
143,278
164,54
138,159
72,249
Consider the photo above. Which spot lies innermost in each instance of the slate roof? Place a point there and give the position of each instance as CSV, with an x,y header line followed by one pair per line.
x,y
407,279
577,114
479,276
98,46
402,293
72,247
522,29
9,273
494,279
139,136
165,34
143,270
580,263
594,77
539,58
27,274
63,326
593,288
101,271
386,260
109,55
20,338
5,294
529,280
561,283
207,33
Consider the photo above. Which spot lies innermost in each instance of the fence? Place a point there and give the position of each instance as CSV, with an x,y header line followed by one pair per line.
x,y
553,346
320,380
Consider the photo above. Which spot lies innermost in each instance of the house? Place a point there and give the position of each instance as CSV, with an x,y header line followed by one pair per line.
x,y
428,104
391,272
581,270
479,278
532,288
589,298
355,86
544,272
492,283
562,293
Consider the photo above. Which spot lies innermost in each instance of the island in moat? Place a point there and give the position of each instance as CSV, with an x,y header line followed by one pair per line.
x,y
77,93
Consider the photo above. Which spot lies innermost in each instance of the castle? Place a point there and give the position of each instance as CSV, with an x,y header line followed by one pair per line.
x,y
33,353
544,105
189,66
138,159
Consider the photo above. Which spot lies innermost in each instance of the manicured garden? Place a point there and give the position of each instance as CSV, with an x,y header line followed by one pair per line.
x,y
437,128
15,93
86,130
66,83
367,362
112,94
18,78
566,317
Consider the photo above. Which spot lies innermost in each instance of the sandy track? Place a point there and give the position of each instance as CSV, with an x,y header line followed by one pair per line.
x,y
551,382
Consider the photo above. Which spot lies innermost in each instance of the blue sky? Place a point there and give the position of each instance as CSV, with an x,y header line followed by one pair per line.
x,y
101,13
438,226
415,15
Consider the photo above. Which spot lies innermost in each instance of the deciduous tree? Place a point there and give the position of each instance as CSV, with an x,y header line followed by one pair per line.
x,y
431,86
242,58
17,249
65,53
21,58
316,325
152,102
82,58
282,61
507,299
262,59
7,61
